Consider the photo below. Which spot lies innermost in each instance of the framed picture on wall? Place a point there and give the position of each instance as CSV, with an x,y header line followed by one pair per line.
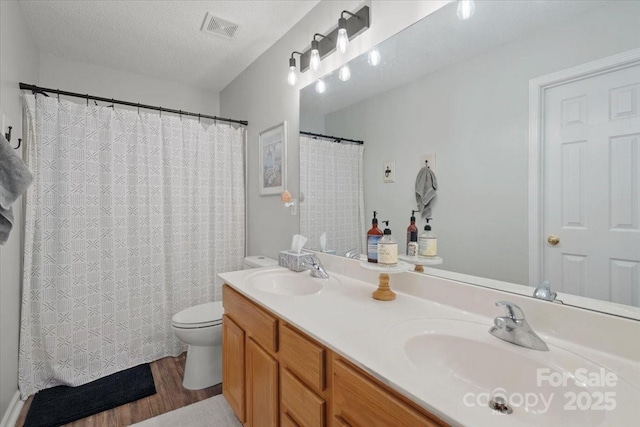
x,y
273,165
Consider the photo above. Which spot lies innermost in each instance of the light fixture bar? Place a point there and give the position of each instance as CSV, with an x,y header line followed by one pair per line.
x,y
355,25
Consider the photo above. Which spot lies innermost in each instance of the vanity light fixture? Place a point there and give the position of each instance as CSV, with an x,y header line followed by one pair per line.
x,y
292,77
348,28
374,57
314,62
345,73
343,36
466,8
321,86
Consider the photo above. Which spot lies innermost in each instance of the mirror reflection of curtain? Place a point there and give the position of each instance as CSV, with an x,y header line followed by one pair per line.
x,y
128,221
331,182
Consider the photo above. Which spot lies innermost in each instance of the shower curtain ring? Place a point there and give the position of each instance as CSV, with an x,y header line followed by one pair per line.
x,y
198,117
138,108
58,92
180,114
113,104
87,100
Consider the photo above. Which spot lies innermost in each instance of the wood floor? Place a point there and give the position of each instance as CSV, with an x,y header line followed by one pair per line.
x,y
167,374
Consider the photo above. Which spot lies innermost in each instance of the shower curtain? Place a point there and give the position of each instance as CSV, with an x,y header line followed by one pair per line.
x,y
128,221
331,182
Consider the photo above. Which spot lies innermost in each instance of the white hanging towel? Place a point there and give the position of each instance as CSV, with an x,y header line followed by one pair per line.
x,y
14,180
426,186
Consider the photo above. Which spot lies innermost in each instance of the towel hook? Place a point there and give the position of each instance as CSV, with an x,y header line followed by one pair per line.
x,y
7,136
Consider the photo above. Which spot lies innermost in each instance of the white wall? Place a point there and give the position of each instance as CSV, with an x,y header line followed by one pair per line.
x,y
73,76
18,61
474,117
261,95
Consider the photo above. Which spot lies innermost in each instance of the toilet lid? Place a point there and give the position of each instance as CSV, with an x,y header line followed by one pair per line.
x,y
199,316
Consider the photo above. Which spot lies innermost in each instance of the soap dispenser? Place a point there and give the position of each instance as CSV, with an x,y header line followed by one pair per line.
x,y
412,236
387,248
427,242
373,236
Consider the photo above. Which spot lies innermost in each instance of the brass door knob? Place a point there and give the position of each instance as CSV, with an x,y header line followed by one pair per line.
x,y
553,240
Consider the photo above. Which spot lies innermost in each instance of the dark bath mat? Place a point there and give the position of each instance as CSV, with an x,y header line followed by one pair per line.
x,y
63,404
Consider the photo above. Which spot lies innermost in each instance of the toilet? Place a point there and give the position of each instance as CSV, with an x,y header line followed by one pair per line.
x,y
200,327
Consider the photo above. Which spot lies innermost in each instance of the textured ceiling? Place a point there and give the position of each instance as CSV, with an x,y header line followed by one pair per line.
x,y
162,39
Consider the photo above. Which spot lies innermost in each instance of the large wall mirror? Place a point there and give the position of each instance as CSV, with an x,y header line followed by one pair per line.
x,y
530,112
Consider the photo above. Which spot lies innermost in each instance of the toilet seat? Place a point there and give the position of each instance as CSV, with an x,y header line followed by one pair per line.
x,y
199,316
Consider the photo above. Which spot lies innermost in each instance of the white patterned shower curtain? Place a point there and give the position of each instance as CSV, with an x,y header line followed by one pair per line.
x,y
128,221
331,182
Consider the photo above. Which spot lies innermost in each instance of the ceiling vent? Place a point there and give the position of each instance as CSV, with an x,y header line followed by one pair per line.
x,y
218,26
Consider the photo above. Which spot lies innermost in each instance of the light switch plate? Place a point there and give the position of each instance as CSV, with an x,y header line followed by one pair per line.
x,y
431,159
389,171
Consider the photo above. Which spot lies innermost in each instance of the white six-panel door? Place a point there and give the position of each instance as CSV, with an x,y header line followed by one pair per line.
x,y
591,175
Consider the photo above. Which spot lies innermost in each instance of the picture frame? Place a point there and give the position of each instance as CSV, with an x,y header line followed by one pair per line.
x,y
272,143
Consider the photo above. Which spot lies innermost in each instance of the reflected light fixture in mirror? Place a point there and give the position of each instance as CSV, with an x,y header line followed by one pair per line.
x,y
374,57
345,73
320,86
466,8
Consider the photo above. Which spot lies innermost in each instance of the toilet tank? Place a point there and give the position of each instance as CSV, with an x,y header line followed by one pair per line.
x,y
258,261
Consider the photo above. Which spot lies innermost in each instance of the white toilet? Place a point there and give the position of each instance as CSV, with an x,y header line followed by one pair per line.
x,y
200,327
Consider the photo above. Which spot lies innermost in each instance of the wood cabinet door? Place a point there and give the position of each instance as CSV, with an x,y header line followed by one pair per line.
x,y
262,387
233,373
359,402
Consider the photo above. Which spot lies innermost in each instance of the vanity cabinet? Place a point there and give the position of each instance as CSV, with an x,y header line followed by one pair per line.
x,y
249,365
273,374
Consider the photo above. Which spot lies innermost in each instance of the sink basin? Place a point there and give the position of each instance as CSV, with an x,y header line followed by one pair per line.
x,y
287,283
469,366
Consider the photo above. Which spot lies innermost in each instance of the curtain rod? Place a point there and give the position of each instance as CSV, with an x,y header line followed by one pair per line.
x,y
335,138
36,89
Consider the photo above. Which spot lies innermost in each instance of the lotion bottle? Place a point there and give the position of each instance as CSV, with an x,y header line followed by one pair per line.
x,y
387,249
373,236
412,236
427,242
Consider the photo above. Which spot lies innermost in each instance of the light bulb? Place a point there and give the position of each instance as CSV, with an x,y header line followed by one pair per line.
x,y
314,62
343,40
292,78
465,9
320,86
345,73
374,57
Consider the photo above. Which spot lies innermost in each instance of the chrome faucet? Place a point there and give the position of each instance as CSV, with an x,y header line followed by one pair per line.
x,y
315,266
544,292
514,328
352,253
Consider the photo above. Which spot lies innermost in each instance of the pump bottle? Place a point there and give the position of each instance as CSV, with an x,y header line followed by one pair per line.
x,y
412,236
373,236
427,242
387,249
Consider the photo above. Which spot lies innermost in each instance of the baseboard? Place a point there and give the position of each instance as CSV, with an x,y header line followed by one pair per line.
x,y
13,411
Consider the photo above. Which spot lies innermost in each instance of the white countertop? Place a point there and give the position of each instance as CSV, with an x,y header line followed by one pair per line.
x,y
345,318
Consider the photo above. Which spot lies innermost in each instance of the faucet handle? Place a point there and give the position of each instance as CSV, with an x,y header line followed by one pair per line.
x,y
310,261
513,311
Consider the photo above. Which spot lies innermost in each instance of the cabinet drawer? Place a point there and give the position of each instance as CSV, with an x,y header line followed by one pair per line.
x,y
359,402
300,401
303,357
256,322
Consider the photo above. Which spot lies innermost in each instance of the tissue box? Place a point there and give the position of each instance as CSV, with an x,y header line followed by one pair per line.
x,y
293,260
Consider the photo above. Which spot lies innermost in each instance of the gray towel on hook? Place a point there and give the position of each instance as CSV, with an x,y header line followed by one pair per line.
x,y
15,178
426,186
